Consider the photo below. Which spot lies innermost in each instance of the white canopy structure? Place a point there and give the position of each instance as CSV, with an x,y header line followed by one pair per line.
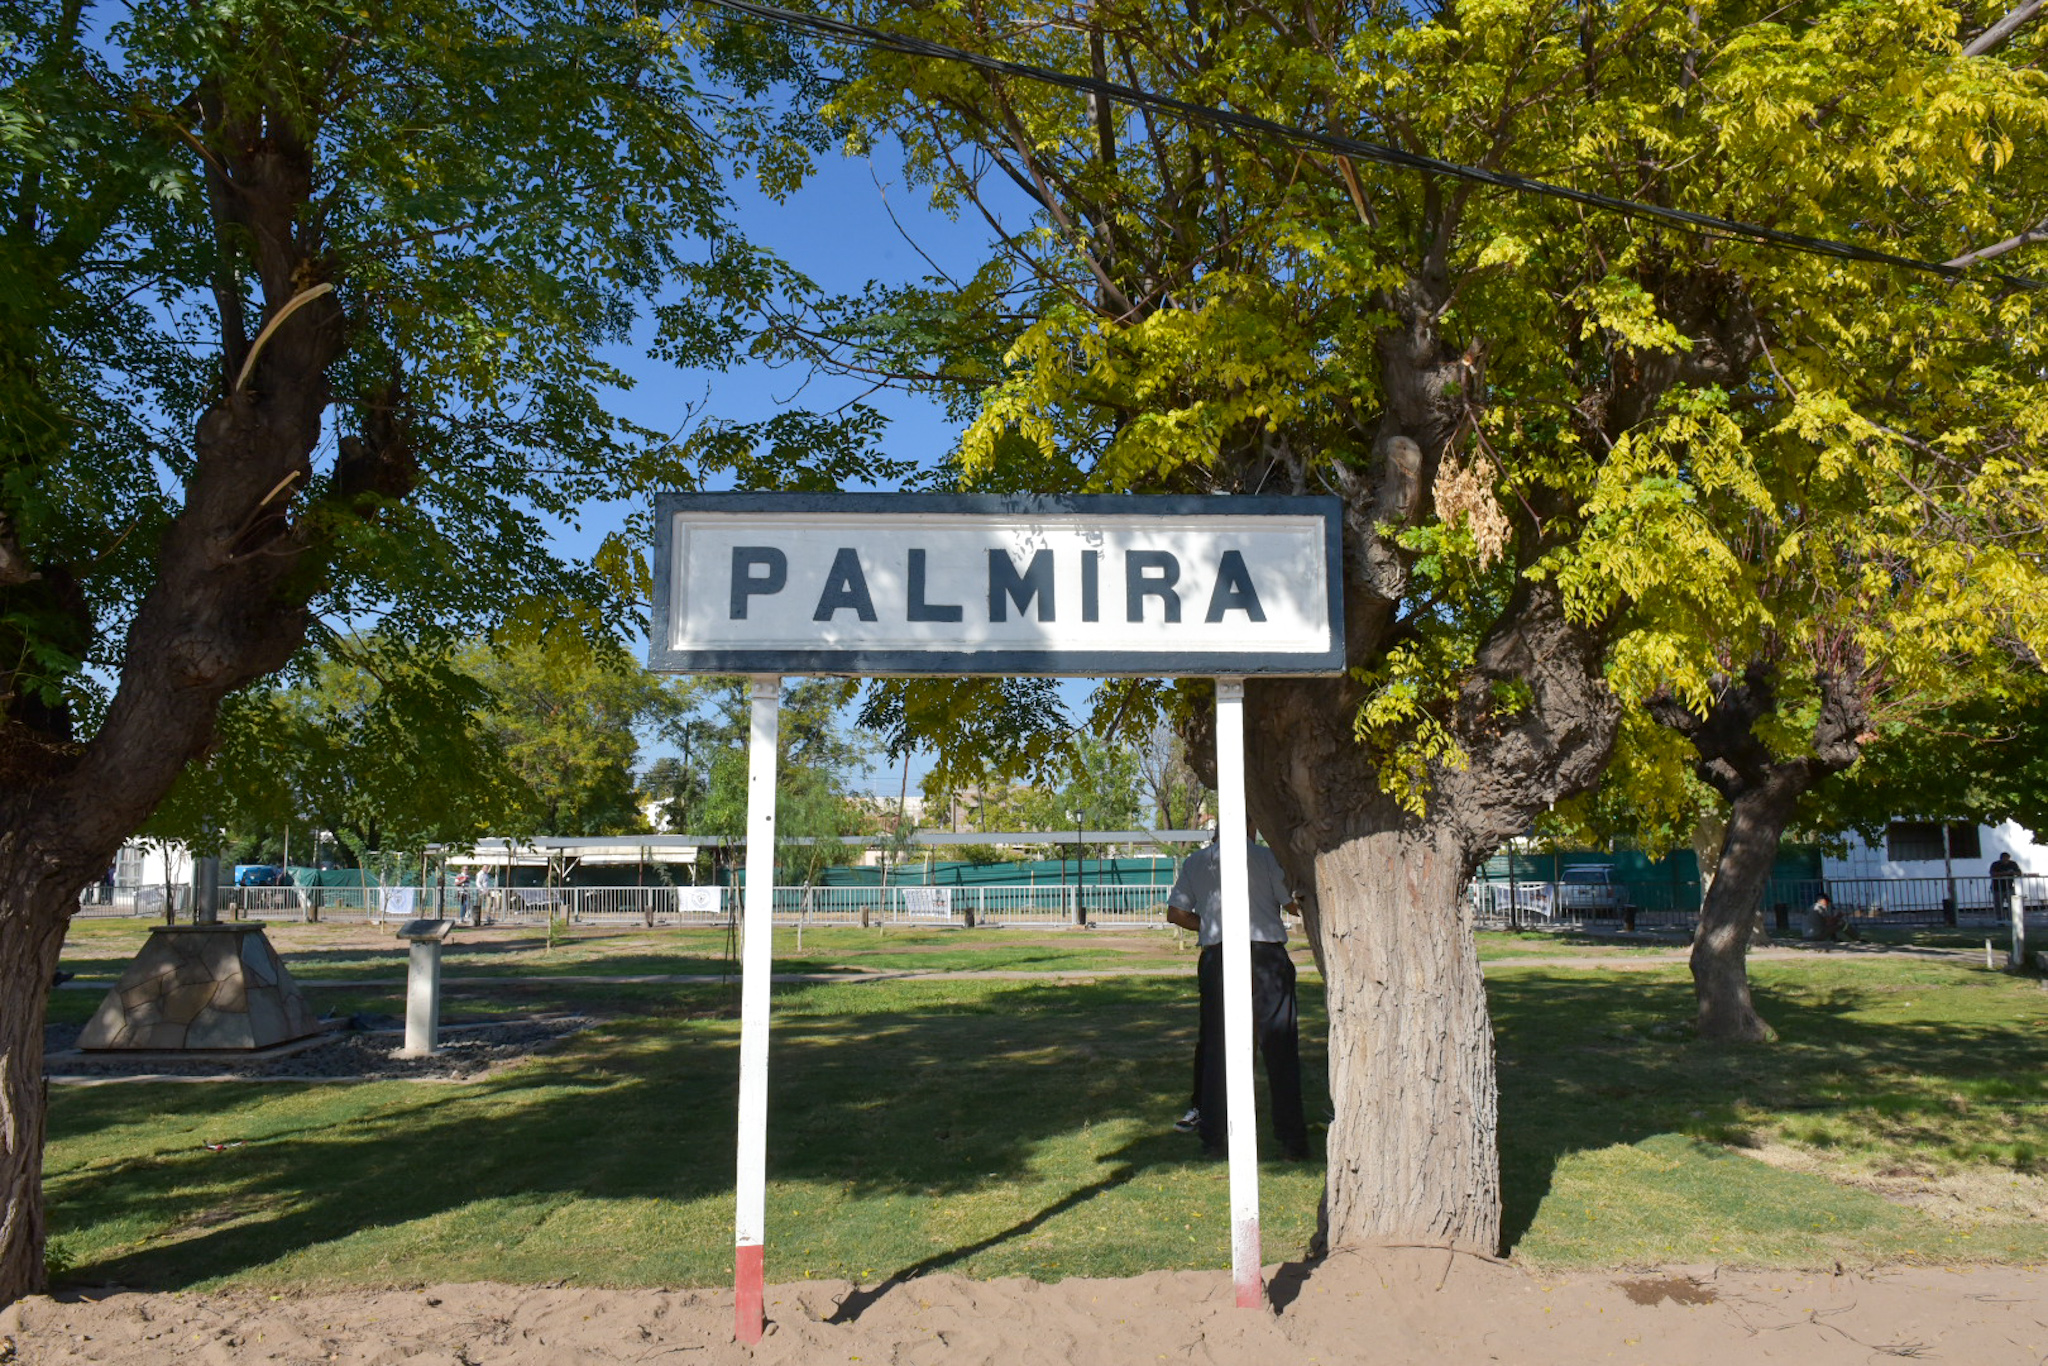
x,y
613,850
607,850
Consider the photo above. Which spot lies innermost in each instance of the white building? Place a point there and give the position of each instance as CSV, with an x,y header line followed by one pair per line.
x,y
144,873
152,863
1936,849
1920,867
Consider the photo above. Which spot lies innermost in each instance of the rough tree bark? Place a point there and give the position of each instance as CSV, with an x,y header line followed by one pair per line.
x,y
1414,1152
29,947
228,604
1763,791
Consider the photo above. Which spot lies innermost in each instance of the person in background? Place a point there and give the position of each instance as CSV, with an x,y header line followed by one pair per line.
x,y
1196,903
1827,924
462,898
2005,875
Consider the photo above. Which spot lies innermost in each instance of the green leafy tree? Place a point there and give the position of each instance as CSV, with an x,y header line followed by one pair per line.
x,y
304,310
676,789
1984,762
980,733
818,757
1863,548
1092,785
1102,783
1554,429
372,740
391,750
999,805
569,720
678,784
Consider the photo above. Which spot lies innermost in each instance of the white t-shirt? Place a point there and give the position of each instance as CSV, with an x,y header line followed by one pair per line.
x,y
1199,888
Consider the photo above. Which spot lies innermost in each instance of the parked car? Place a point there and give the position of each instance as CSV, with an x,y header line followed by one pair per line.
x,y
1590,889
261,875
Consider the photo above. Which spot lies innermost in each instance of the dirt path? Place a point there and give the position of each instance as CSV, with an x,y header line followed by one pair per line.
x,y
1387,1308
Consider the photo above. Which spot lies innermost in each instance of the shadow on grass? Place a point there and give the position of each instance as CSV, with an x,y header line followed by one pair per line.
x,y
930,1090
1148,1151
1587,1063
931,1099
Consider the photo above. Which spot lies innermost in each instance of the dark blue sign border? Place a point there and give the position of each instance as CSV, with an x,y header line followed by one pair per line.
x,y
1086,663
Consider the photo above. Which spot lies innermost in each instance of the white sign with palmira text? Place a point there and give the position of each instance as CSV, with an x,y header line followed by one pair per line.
x,y
905,584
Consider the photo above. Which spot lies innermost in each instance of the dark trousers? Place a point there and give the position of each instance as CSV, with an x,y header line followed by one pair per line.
x,y
1276,1033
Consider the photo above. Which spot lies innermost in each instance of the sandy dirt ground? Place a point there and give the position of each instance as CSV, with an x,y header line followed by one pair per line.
x,y
1385,1307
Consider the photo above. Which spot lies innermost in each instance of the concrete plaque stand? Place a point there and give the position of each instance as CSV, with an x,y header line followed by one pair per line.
x,y
423,986
201,987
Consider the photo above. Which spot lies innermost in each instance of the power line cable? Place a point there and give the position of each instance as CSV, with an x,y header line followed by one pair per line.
x,y
861,35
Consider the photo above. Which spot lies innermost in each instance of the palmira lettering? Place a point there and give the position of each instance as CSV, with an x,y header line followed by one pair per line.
x,y
1149,576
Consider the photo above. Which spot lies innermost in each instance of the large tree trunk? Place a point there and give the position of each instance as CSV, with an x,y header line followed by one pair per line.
x,y
234,571
1413,1148
29,946
1763,789
1720,951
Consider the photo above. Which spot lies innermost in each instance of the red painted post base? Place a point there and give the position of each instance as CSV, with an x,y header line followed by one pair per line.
x,y
1251,1287
749,1319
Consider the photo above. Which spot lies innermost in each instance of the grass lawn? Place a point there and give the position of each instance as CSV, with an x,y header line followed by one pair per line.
x,y
1899,1117
996,1127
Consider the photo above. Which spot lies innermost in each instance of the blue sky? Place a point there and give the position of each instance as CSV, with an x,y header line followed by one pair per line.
x,y
838,230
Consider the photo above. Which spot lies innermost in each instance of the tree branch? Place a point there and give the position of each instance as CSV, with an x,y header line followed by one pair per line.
x,y
1021,142
2002,30
2037,233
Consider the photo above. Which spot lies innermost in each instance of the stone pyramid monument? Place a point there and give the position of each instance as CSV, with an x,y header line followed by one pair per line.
x,y
202,987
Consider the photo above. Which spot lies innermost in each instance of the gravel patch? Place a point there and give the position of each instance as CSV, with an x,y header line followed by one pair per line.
x,y
351,1055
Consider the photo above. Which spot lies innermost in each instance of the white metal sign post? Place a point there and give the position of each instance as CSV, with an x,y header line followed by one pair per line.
x,y
1240,1114
750,1218
895,584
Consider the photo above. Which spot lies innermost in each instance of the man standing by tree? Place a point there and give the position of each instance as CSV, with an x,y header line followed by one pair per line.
x,y
1196,903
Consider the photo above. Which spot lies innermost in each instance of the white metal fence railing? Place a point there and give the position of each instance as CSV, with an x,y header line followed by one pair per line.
x,y
1963,902
1906,902
121,902
1106,904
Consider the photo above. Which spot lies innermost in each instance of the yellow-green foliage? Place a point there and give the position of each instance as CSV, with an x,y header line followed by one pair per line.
x,y
1713,446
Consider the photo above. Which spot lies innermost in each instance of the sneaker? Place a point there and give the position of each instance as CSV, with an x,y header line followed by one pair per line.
x,y
1188,1122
